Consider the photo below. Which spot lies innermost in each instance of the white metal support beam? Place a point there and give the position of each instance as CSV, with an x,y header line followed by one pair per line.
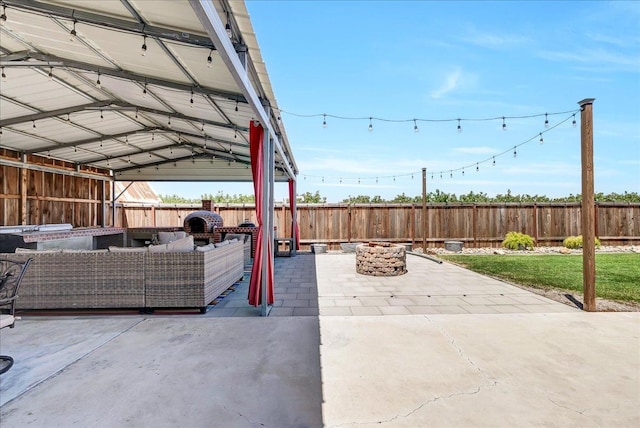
x,y
208,16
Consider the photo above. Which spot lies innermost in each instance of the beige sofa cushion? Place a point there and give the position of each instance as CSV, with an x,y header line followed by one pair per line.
x,y
205,248
168,237
30,251
183,245
113,249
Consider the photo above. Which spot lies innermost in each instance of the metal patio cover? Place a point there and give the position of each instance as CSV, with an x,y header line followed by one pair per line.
x,y
150,90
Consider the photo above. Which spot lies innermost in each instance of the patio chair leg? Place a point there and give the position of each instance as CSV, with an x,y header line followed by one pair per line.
x,y
5,363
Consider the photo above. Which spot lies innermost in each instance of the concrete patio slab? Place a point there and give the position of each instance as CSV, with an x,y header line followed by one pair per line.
x,y
165,372
444,356
551,370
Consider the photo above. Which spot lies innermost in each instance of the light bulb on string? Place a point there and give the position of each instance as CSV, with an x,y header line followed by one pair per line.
x,y
515,153
477,167
340,180
494,161
462,171
101,115
191,100
450,174
210,59
358,180
324,121
73,34
4,75
459,126
98,83
574,120
440,175
50,73
504,125
169,122
236,104
68,117
415,126
432,176
235,133
546,120
323,179
376,180
143,48
541,139
136,112
34,124
3,17
370,125
144,91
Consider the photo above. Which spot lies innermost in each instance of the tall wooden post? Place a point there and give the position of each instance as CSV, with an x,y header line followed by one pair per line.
x,y
588,204
424,210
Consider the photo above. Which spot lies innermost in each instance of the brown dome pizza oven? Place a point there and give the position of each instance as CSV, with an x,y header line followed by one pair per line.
x,y
203,221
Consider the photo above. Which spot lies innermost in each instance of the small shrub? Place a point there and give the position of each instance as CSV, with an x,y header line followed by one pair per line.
x,y
575,242
518,241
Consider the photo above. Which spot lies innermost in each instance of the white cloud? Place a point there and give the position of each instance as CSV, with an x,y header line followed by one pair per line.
x,y
451,82
596,58
476,150
494,40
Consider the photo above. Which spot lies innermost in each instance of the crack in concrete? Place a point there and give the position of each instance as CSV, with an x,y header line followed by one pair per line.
x,y
426,403
492,382
460,351
582,413
252,423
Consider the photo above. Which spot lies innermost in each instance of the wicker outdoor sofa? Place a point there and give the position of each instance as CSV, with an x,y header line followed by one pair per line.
x,y
99,279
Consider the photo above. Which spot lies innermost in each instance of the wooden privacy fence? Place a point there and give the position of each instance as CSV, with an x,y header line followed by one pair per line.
x,y
482,224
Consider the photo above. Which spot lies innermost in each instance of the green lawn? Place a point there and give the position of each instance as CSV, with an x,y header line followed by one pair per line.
x,y
617,275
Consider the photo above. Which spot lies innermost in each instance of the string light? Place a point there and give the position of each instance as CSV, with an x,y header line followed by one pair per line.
x,y
324,121
370,125
574,120
546,120
236,104
144,91
191,100
504,125
50,73
34,124
143,48
136,112
541,139
98,84
491,159
415,126
210,59
72,33
3,17
4,75
169,122
68,117
101,116
75,148
459,126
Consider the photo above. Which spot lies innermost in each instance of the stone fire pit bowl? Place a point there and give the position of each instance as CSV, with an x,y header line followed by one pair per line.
x,y
381,259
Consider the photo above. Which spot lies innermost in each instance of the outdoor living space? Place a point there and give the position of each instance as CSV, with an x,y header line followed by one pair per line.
x,y
438,346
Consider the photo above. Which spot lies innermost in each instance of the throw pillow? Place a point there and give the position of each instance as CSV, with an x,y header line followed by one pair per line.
x,y
205,248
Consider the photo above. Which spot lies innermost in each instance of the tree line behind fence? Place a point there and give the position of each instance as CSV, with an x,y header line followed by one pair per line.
x,y
475,224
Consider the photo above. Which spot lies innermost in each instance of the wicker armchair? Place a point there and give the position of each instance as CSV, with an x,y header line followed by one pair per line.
x,y
11,274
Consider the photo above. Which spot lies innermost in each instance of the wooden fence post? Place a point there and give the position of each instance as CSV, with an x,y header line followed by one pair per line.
x,y
588,210
424,210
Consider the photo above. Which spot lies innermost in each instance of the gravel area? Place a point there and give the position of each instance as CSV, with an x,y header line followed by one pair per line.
x,y
566,297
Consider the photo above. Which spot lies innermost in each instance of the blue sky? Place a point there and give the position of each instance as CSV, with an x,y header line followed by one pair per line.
x,y
445,60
